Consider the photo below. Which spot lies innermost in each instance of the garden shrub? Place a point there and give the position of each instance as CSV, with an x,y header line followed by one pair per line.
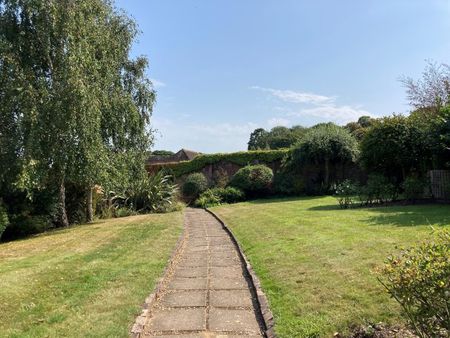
x,y
419,279
346,192
207,199
414,188
216,196
154,193
194,185
378,189
4,221
24,225
125,211
229,194
253,179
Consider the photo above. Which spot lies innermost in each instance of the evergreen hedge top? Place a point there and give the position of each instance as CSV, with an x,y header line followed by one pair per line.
x,y
240,158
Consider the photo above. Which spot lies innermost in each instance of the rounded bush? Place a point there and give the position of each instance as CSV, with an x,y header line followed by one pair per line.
x,y
194,185
229,194
253,179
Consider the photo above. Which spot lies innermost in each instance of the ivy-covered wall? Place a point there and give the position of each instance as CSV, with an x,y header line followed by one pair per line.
x,y
208,163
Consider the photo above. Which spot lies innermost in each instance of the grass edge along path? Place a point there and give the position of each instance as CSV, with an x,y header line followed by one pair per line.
x,y
316,262
88,280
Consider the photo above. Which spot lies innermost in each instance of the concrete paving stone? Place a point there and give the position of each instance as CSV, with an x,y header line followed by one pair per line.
x,y
199,271
203,249
230,298
218,240
228,283
224,261
226,272
233,320
184,299
195,255
224,254
178,319
181,283
221,248
193,263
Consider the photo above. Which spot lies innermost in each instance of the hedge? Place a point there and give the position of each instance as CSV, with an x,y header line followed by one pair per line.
x,y
241,158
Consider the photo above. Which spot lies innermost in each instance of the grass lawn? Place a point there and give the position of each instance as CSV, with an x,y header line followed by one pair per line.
x,y
316,262
85,281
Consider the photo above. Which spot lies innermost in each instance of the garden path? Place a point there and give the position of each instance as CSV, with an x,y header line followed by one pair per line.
x,y
207,293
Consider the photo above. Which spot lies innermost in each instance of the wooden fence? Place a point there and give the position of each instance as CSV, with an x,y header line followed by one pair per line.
x,y
440,183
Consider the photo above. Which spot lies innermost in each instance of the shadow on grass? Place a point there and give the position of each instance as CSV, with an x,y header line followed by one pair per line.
x,y
275,199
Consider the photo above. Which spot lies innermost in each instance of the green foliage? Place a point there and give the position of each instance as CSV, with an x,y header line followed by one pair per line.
x,y
258,139
378,189
217,196
414,188
154,193
241,158
207,199
73,102
346,192
395,146
325,145
24,225
253,179
194,185
419,279
4,221
277,138
229,194
359,129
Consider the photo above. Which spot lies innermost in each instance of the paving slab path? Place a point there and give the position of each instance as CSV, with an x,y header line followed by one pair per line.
x,y
207,293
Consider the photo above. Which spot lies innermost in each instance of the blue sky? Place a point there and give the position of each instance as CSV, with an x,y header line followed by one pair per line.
x,y
223,68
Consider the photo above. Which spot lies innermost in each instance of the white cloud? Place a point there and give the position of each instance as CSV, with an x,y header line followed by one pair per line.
x,y
334,113
157,83
297,97
278,121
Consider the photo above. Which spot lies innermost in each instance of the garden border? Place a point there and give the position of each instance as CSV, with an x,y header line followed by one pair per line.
x,y
138,326
262,301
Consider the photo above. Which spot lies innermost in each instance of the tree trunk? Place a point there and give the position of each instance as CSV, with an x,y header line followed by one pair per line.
x,y
63,221
89,211
327,173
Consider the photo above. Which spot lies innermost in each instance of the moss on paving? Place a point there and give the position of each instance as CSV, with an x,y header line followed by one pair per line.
x,y
316,262
85,281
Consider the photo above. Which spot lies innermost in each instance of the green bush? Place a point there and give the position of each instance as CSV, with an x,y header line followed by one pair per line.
x,y
217,196
414,188
25,225
253,179
229,194
194,185
154,193
419,279
207,199
378,189
241,158
4,221
125,211
346,193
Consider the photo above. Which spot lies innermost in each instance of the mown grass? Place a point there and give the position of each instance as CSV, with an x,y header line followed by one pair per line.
x,y
86,281
317,263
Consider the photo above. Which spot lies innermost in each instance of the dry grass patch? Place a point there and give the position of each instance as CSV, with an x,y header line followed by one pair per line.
x,y
87,281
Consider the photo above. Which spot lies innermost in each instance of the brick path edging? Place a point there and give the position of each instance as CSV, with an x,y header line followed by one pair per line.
x,y
262,301
138,327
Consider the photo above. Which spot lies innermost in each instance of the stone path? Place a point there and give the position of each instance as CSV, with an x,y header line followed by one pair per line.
x,y
206,294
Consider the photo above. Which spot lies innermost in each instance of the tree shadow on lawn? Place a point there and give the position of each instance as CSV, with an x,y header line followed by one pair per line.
x,y
400,215
278,199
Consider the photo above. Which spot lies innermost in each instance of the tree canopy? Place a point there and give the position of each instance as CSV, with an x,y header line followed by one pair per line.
x,y
75,107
